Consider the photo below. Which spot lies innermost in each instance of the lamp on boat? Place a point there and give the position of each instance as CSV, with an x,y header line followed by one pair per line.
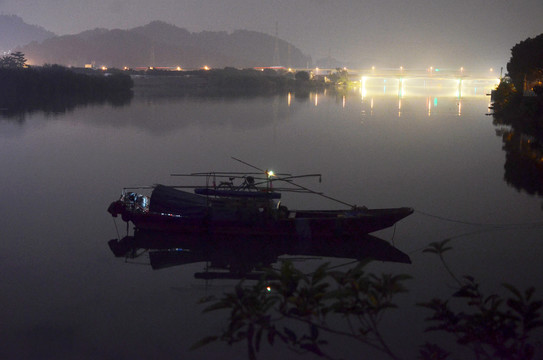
x,y
270,173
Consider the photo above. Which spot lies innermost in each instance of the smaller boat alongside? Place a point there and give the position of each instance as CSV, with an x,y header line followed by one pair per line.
x,y
220,207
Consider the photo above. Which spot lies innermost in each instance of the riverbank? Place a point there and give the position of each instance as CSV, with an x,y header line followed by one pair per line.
x,y
55,88
522,113
222,82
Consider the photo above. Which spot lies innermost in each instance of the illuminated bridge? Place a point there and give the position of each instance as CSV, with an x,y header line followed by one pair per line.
x,y
409,73
413,82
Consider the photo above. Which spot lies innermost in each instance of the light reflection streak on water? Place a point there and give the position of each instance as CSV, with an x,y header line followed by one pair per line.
x,y
374,91
363,91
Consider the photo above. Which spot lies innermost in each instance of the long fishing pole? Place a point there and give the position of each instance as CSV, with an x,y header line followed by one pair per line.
x,y
297,185
318,193
246,163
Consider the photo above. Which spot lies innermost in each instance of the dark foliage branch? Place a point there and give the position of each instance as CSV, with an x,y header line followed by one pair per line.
x,y
286,299
492,327
281,305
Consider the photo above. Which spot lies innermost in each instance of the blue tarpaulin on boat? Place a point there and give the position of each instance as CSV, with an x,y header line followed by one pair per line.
x,y
166,199
238,193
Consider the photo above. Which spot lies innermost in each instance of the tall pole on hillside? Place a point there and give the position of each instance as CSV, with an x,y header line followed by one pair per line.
x,y
276,49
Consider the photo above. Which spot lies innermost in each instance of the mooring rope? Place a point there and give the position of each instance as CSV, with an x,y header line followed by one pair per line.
x,y
536,223
116,228
486,227
393,234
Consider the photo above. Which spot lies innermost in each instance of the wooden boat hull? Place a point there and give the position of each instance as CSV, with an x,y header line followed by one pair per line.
x,y
299,223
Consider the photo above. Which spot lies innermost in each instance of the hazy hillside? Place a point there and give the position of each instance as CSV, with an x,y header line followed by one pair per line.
x,y
162,44
15,32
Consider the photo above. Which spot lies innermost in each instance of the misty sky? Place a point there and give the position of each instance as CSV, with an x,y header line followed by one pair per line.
x,y
418,33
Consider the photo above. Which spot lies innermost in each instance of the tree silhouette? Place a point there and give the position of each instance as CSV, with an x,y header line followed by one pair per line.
x,y
14,60
18,59
526,63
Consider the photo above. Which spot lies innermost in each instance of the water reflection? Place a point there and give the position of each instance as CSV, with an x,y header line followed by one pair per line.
x,y
237,257
522,138
18,108
374,95
423,86
523,161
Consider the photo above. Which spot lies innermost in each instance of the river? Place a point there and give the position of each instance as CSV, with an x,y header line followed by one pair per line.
x,y
65,295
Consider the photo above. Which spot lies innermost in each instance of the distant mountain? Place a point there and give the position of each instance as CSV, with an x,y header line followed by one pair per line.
x,y
161,44
15,32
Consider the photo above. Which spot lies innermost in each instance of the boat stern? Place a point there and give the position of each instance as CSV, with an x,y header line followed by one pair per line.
x,y
115,208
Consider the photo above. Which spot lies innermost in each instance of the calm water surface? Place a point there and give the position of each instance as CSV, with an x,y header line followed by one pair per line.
x,y
64,294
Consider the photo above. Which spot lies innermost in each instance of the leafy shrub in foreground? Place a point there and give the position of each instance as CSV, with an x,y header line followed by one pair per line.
x,y
284,301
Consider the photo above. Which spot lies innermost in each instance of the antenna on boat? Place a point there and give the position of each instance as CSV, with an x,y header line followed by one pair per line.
x,y
289,180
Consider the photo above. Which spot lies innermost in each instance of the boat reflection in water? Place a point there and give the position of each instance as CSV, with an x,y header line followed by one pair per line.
x,y
235,257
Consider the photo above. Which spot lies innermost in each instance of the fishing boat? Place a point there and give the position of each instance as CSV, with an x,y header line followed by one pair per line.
x,y
251,207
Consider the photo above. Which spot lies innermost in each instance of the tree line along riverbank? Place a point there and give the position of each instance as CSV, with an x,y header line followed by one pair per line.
x,y
48,87
22,84
518,99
